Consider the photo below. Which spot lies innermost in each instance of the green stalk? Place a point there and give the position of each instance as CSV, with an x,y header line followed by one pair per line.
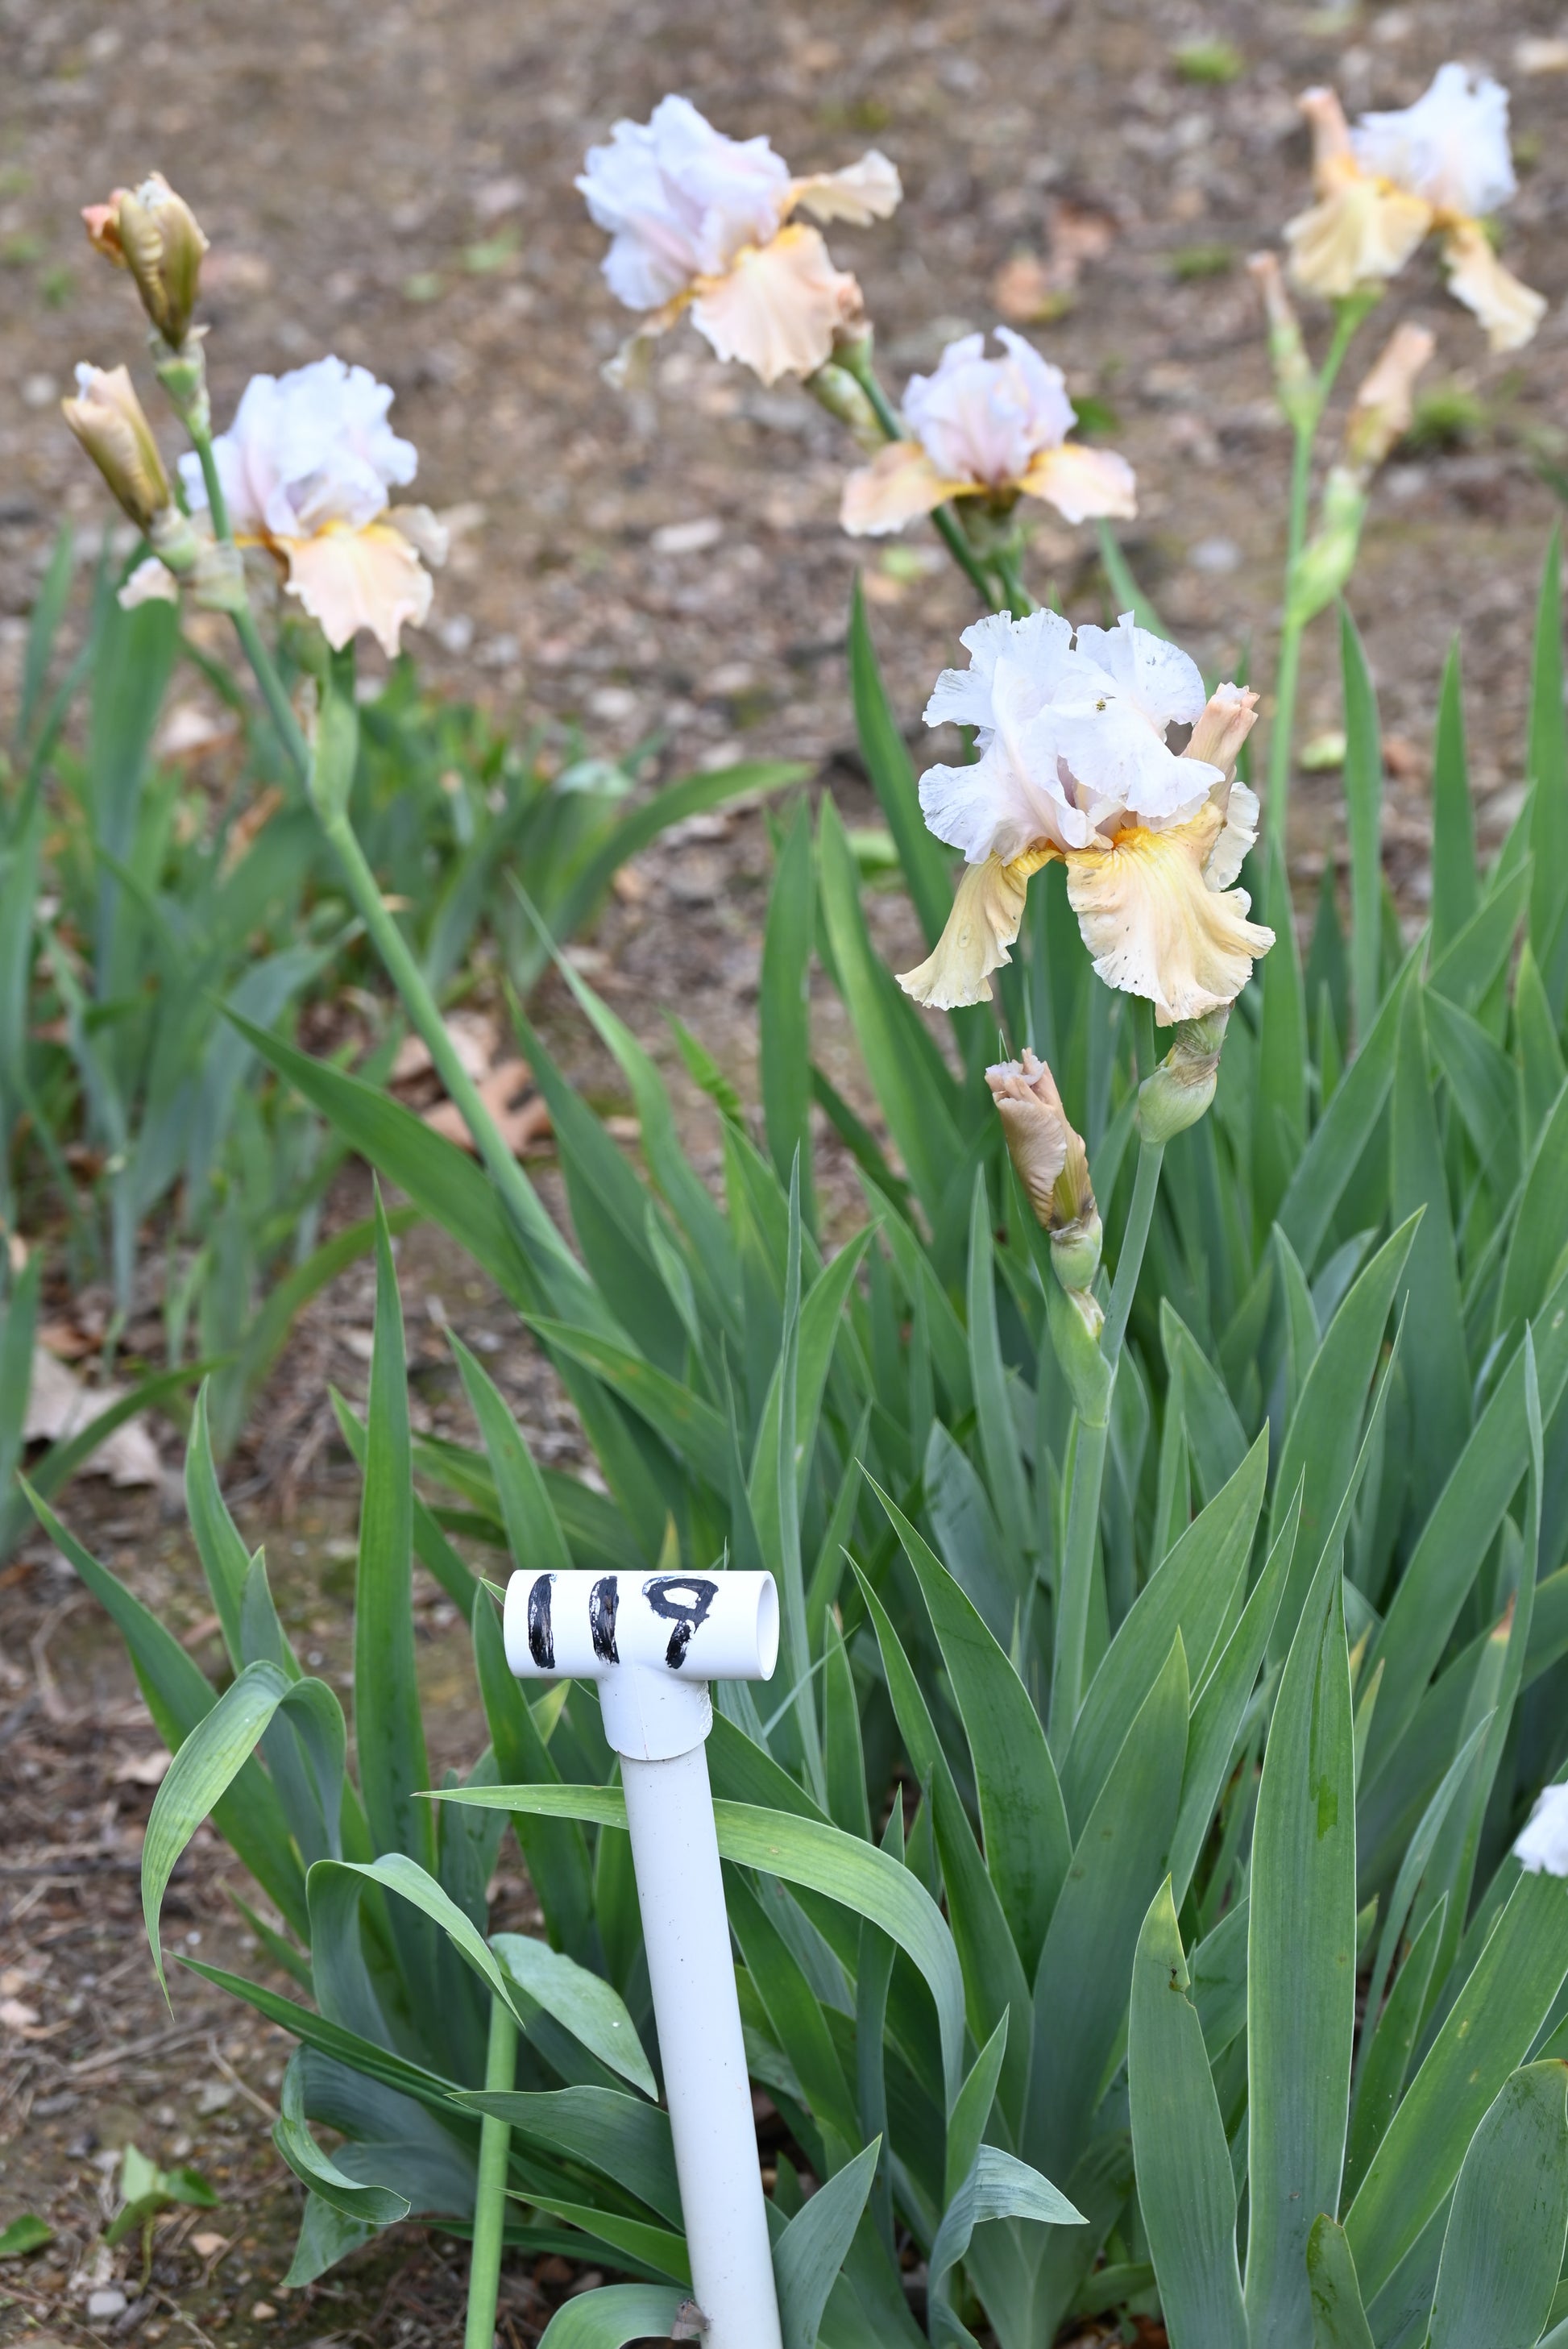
x,y
1088,1462
274,693
217,504
1020,601
490,2197
517,1191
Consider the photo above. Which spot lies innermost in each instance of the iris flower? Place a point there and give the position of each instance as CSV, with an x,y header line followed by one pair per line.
x,y
701,222
1074,765
305,468
1440,166
986,428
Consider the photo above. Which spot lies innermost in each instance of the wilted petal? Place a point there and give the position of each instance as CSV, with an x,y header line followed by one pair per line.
x,y
1357,235
1509,311
1155,928
986,911
776,308
898,485
862,192
354,579
1083,483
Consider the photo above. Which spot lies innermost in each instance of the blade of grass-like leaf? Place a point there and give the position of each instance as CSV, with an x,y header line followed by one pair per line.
x,y
1186,2188
1339,2319
1546,761
1364,811
49,611
624,2138
226,1560
1086,1967
554,1849
583,2002
1325,1167
783,1007
178,1697
613,2316
1301,1973
1456,884
1388,2043
1435,1366
378,2206
1324,1432
1029,1848
533,1531
802,1851
993,1411
814,2246
690,795
692,1428
1470,964
1488,2029
1502,2251
924,861
999,2186
1540,1227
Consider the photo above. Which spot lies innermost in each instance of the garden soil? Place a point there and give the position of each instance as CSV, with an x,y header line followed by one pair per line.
x,y
394,183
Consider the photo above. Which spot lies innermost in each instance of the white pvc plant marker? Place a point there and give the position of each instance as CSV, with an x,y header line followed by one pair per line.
x,y
652,1642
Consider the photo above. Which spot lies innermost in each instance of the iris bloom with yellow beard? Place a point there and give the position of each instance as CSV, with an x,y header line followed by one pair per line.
x,y
305,468
1074,764
1441,166
996,429
701,222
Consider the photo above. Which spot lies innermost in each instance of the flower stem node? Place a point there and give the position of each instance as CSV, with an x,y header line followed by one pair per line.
x,y
1181,1088
1076,1323
218,577
334,742
182,371
153,233
1296,385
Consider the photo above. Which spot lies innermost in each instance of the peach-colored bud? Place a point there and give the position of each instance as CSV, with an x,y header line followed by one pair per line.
x,y
1382,407
1227,718
1332,151
103,227
153,233
1051,1163
112,424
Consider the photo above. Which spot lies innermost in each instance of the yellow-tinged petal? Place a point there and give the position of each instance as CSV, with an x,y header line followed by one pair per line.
x,y
354,579
986,911
862,192
1154,926
1509,311
1082,482
778,306
1361,231
898,485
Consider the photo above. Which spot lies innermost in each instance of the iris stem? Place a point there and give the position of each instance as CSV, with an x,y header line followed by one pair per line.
x,y
275,693
1089,1464
490,2196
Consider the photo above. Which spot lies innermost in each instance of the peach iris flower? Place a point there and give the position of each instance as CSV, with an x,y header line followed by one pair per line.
x,y
701,222
1074,764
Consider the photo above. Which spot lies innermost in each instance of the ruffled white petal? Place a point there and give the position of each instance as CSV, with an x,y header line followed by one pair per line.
x,y
1162,683
1451,147
679,199
778,306
306,449
1238,835
1153,926
1041,644
1543,1844
983,421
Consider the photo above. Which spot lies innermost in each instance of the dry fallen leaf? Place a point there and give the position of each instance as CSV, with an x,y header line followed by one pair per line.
x,y
143,1770
520,1114
60,1406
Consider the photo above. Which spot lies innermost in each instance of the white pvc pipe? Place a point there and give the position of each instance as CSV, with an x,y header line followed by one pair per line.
x,y
652,1642
685,1930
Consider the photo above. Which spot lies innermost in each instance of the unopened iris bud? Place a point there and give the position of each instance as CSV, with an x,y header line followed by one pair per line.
x,y
836,390
112,424
1328,558
1294,379
1381,412
1076,1323
153,233
1181,1088
1052,1167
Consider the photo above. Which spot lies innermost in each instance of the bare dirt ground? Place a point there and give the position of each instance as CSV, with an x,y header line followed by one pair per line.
x,y
393,184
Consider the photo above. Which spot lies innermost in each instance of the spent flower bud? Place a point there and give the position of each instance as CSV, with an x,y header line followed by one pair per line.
x,y
1181,1089
153,232
112,424
1381,412
1051,1164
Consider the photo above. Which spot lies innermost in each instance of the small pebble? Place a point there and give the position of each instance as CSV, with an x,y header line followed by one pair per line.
x,y
107,2301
